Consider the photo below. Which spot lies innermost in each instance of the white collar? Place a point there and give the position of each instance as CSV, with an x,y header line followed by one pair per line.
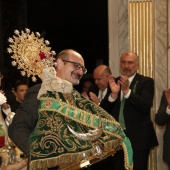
x,y
131,79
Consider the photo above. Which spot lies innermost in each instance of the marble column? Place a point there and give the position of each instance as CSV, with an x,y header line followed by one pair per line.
x,y
118,32
161,67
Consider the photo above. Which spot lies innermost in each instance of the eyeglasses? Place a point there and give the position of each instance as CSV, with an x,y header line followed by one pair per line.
x,y
77,66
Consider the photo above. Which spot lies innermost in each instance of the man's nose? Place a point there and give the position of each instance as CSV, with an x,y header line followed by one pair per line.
x,y
80,71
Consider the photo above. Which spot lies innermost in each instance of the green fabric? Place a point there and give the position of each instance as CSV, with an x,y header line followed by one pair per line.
x,y
122,103
52,144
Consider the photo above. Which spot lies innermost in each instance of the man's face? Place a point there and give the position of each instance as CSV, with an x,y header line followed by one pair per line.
x,y
73,68
128,65
21,91
101,79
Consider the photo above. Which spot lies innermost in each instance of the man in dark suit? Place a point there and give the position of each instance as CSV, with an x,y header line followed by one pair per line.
x,y
162,118
136,92
26,116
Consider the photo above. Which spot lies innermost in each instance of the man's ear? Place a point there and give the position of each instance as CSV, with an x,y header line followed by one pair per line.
x,y
59,64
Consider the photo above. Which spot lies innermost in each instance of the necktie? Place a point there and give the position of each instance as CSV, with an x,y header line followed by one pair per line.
x,y
101,95
121,116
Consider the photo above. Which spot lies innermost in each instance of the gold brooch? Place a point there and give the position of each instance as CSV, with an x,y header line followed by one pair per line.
x,y
31,53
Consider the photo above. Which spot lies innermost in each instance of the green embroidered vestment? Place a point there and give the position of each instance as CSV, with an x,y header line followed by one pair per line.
x,y
51,142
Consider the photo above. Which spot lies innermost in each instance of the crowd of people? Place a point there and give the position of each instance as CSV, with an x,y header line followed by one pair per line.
x,y
117,110
136,91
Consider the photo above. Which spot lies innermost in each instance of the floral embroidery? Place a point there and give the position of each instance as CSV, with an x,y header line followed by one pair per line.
x,y
48,104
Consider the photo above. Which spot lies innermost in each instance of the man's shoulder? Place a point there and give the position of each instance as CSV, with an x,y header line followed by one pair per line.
x,y
142,77
34,88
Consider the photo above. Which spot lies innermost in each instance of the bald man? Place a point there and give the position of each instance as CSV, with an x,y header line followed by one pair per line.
x,y
100,92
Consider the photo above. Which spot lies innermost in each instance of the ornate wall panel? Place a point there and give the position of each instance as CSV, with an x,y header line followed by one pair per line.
x,y
141,34
141,41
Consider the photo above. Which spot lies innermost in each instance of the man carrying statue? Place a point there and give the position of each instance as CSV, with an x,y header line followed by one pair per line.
x,y
56,127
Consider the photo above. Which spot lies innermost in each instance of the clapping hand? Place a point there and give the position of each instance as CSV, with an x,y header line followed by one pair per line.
x,y
115,87
94,98
85,95
124,82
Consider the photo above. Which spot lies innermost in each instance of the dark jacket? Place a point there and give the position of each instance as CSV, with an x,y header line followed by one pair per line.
x,y
139,126
163,119
25,120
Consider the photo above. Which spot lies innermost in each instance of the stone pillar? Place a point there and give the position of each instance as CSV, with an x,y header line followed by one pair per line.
x,y
161,67
118,32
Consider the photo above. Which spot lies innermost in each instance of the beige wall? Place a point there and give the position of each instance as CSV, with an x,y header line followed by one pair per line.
x,y
118,32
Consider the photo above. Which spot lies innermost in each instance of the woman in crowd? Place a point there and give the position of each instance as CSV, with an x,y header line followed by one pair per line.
x,y
19,91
